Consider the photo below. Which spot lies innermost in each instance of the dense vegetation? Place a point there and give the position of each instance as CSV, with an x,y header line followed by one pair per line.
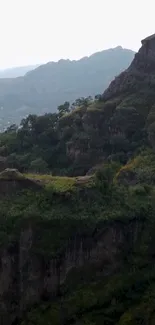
x,y
68,207
111,139
125,299
51,84
73,140
112,127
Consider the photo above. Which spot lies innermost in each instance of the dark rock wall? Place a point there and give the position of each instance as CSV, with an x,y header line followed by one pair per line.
x,y
27,277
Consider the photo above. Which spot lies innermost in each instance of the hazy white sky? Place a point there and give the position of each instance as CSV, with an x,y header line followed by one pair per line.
x,y
37,31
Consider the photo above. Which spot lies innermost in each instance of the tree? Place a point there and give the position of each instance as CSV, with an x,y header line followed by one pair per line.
x,y
28,122
82,102
104,178
63,109
98,97
39,165
12,128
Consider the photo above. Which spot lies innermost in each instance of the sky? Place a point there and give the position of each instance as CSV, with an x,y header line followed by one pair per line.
x,y
38,31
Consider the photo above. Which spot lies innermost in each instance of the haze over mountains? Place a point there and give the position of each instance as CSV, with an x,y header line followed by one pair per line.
x,y
17,71
41,90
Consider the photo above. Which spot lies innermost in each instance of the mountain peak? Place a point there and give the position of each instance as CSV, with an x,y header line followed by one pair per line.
x,y
148,39
141,69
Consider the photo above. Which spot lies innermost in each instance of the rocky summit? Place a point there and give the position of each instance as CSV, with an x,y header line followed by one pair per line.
x,y
123,118
137,80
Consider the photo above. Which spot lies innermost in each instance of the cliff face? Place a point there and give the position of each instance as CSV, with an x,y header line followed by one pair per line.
x,y
120,121
138,76
28,277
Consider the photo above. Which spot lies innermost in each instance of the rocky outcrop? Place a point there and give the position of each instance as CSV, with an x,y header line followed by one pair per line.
x,y
117,124
12,181
139,74
28,277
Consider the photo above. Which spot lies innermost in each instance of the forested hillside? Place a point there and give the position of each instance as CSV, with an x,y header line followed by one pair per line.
x,y
77,138
77,219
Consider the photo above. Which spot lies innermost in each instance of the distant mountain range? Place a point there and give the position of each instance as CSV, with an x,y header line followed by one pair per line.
x,y
44,88
17,71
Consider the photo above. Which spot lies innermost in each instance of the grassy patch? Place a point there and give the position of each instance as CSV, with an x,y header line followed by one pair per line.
x,y
61,184
58,183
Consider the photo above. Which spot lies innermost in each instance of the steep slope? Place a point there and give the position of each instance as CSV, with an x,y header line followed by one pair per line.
x,y
112,127
48,86
121,121
137,80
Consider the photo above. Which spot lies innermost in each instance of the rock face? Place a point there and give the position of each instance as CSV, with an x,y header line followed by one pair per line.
x,y
139,74
11,181
28,277
121,121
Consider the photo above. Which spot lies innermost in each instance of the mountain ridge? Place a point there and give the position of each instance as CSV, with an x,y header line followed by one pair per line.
x,y
49,85
15,72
